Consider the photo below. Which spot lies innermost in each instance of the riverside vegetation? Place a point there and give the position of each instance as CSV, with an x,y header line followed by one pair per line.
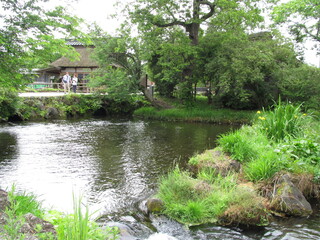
x,y
16,210
14,108
238,182
199,111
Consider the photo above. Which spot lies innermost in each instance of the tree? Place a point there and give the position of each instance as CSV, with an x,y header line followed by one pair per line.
x,y
27,38
303,17
248,71
189,15
120,66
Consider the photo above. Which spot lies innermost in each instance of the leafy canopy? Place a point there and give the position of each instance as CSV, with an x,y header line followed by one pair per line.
x,y
27,38
303,17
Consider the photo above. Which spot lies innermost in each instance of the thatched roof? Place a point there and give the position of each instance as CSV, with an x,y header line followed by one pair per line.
x,y
85,60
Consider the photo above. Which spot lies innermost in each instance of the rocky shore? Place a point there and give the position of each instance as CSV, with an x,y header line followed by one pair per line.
x,y
285,195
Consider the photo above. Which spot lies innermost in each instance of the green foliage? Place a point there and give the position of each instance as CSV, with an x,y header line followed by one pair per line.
x,y
246,71
171,51
196,114
19,205
120,66
27,39
25,203
8,102
244,144
281,139
193,201
264,166
285,121
74,226
307,11
79,226
300,85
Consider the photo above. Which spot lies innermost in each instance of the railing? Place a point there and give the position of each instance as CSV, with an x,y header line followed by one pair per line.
x,y
81,87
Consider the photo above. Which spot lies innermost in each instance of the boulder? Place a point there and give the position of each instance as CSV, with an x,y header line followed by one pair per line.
x,y
154,205
216,160
125,232
32,224
288,199
3,200
52,113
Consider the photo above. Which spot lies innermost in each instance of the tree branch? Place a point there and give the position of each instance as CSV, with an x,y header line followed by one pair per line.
x,y
211,12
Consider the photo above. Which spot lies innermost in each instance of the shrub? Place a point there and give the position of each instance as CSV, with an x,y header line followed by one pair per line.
x,y
9,101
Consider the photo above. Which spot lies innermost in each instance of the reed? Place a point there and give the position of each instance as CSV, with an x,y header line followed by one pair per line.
x,y
79,226
285,121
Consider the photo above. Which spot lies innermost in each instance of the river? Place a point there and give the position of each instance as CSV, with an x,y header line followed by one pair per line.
x,y
114,164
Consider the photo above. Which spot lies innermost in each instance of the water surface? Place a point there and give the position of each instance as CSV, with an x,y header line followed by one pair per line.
x,y
114,164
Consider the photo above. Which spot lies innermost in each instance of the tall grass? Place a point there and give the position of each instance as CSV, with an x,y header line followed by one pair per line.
x,y
78,225
285,121
194,201
19,205
244,144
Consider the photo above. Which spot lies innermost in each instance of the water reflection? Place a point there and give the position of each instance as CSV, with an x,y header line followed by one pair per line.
x,y
114,163
111,162
8,145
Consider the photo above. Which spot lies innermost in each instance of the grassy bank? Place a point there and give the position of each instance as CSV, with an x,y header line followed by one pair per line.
x,y
231,184
200,111
77,225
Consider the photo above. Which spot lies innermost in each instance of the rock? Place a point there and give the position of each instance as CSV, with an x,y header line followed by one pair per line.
x,y
247,208
216,160
16,118
154,205
287,198
32,224
52,113
125,232
3,200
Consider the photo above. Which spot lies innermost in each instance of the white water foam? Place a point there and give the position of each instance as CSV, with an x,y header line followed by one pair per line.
x,y
161,236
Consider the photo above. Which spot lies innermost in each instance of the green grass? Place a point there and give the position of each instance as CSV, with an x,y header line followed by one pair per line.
x,y
283,139
193,201
196,115
77,225
284,121
199,111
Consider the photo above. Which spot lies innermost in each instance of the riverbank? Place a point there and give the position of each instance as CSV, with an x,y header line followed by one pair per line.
x,y
199,111
42,106
23,217
271,168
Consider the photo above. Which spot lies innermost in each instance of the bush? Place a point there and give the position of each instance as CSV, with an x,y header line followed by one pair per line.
x,y
9,101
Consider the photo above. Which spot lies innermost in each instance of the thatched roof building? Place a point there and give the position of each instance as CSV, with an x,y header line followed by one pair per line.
x,y
82,67
85,60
